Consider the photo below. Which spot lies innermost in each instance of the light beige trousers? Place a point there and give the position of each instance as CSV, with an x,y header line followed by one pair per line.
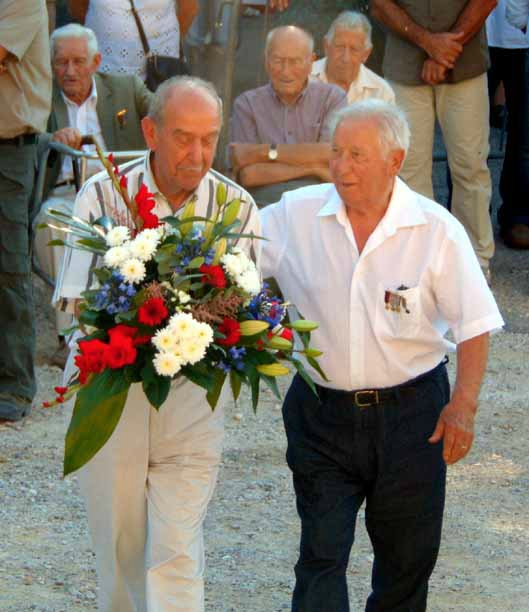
x,y
462,110
146,494
49,257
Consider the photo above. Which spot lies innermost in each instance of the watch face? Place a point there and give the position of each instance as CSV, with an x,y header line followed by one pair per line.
x,y
272,152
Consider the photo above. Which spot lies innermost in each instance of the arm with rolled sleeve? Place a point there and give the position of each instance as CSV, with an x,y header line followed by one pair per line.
x,y
465,300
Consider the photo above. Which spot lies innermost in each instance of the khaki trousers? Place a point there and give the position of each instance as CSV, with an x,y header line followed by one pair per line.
x,y
146,494
49,257
462,110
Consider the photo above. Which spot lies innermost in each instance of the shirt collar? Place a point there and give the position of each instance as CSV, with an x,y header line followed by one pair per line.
x,y
92,97
152,186
318,69
298,99
403,210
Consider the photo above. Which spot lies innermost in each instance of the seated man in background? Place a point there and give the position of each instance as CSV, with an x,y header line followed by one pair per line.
x,y
108,107
280,132
347,47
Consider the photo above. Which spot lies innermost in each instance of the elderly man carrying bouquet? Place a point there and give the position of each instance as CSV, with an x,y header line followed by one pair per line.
x,y
148,488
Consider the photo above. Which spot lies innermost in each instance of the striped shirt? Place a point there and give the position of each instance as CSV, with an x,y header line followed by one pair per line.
x,y
98,198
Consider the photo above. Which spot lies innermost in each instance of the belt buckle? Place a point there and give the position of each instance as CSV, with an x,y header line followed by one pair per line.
x,y
365,404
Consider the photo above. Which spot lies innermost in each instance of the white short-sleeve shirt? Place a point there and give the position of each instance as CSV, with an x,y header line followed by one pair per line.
x,y
367,84
383,314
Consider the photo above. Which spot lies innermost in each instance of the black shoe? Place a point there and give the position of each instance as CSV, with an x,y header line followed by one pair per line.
x,y
516,236
13,407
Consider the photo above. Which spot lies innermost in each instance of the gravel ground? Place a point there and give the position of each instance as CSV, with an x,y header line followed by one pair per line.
x,y
46,562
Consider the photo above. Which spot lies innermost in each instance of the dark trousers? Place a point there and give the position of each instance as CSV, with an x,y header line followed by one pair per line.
x,y
17,173
511,66
340,456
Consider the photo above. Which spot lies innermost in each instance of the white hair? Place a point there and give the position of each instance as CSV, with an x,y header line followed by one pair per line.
x,y
187,83
393,128
75,30
353,22
272,34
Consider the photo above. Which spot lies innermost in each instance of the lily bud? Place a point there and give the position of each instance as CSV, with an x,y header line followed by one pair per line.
x,y
303,325
222,194
280,344
220,249
250,328
187,213
231,212
273,369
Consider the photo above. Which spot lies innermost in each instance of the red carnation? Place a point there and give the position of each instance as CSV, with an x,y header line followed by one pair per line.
x,y
123,182
213,275
120,352
61,390
231,329
150,221
94,352
129,332
152,312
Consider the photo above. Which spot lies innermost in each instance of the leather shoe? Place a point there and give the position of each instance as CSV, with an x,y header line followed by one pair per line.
x,y
13,407
516,236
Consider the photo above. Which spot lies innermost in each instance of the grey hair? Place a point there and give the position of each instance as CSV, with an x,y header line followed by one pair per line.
x,y
393,128
272,34
75,30
187,83
352,21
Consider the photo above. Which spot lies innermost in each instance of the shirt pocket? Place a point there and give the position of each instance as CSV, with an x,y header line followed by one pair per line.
x,y
398,312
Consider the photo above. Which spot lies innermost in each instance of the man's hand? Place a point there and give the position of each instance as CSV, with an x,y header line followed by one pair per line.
x,y
278,4
456,428
433,73
68,136
444,47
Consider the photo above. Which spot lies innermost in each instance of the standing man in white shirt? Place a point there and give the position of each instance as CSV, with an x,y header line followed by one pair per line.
x,y
348,46
386,272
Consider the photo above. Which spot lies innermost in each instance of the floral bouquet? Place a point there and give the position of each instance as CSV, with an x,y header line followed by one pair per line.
x,y
174,298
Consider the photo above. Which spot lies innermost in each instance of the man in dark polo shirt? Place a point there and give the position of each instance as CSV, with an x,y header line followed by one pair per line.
x,y
25,100
279,132
436,60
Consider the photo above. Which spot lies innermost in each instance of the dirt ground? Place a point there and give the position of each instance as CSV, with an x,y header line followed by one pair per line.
x,y
46,562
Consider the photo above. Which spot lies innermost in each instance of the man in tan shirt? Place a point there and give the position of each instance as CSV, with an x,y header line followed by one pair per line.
x,y
25,100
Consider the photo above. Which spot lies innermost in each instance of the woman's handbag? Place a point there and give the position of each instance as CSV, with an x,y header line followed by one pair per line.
x,y
159,68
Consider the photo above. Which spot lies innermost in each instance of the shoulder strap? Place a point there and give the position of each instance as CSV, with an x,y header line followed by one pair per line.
x,y
141,31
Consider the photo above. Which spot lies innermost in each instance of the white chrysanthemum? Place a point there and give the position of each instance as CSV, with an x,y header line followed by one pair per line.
x,y
204,334
249,281
183,325
232,264
143,247
133,270
115,256
183,297
152,233
117,236
192,351
165,340
167,364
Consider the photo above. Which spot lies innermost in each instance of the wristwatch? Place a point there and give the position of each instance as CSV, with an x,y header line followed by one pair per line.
x,y
272,152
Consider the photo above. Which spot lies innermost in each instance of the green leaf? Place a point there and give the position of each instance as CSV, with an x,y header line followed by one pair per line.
x,y
126,317
316,366
303,373
94,318
200,375
235,384
157,390
96,413
196,262
56,242
271,382
107,222
218,382
254,377
98,246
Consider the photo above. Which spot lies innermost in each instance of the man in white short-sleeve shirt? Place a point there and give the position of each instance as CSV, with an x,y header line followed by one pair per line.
x,y
347,47
386,272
